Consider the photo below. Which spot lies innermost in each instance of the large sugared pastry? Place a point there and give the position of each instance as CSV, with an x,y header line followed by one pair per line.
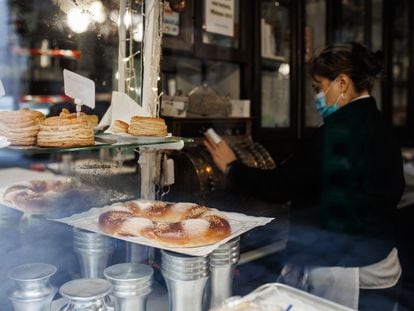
x,y
147,126
66,130
170,224
38,196
20,127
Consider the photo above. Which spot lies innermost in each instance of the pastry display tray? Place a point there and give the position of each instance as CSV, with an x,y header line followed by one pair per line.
x,y
240,224
102,141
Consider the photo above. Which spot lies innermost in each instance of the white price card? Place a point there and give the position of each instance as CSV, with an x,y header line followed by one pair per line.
x,y
79,88
2,91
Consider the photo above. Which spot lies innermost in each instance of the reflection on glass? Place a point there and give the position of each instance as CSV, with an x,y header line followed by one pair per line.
x,y
220,39
184,74
351,22
224,78
400,62
275,30
275,74
276,97
180,73
376,42
40,39
314,43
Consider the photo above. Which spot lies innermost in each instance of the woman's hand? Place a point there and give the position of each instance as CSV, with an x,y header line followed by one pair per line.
x,y
221,153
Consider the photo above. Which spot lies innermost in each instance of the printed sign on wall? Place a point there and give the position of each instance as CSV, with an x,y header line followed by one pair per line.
x,y
220,17
171,21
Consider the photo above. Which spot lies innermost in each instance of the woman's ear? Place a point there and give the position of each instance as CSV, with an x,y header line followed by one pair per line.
x,y
345,82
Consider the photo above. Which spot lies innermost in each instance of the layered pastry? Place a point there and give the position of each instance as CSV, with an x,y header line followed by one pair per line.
x,y
147,126
91,118
119,127
66,130
20,127
169,224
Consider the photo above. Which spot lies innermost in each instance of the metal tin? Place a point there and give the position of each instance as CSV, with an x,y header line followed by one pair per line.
x,y
223,261
93,251
132,283
34,291
186,277
86,295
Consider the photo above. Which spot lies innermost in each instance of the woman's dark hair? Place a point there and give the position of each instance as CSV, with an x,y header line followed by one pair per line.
x,y
353,59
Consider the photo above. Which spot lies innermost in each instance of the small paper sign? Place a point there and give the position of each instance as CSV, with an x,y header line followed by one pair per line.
x,y
79,88
171,21
2,91
219,16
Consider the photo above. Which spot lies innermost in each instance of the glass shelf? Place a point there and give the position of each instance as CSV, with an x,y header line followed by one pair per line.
x,y
107,141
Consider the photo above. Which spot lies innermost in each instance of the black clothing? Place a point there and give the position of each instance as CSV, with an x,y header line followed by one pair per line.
x,y
344,187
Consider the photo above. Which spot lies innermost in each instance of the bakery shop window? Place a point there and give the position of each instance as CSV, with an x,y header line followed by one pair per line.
x,y
41,38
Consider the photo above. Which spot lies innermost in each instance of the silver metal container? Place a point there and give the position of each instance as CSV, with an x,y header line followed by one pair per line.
x,y
186,277
87,295
139,253
132,282
34,291
223,261
93,251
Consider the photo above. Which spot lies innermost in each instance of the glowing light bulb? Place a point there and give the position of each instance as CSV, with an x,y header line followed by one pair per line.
x,y
284,69
98,12
77,20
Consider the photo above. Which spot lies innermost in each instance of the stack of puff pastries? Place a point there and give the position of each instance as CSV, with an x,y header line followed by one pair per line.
x,y
21,127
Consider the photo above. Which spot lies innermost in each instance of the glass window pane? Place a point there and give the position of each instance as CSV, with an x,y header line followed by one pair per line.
x,y
275,30
315,41
275,66
276,97
400,62
376,43
188,73
351,21
180,73
41,38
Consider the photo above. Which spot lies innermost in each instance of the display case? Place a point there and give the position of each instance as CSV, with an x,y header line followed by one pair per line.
x,y
104,40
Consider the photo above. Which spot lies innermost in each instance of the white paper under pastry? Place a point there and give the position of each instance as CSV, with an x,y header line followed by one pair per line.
x,y
239,223
2,91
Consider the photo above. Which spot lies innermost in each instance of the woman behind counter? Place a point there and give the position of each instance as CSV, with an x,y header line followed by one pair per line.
x,y
344,186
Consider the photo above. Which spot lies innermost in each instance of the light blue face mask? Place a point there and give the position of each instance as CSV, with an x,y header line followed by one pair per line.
x,y
320,103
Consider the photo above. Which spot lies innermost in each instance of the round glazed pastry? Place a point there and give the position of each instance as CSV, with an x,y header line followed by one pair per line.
x,y
37,196
170,224
147,126
119,127
20,126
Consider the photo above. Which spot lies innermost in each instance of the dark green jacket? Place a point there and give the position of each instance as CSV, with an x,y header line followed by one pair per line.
x,y
344,186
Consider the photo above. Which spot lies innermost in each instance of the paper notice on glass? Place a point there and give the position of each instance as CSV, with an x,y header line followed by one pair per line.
x,y
2,91
239,223
122,108
219,17
79,88
170,21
